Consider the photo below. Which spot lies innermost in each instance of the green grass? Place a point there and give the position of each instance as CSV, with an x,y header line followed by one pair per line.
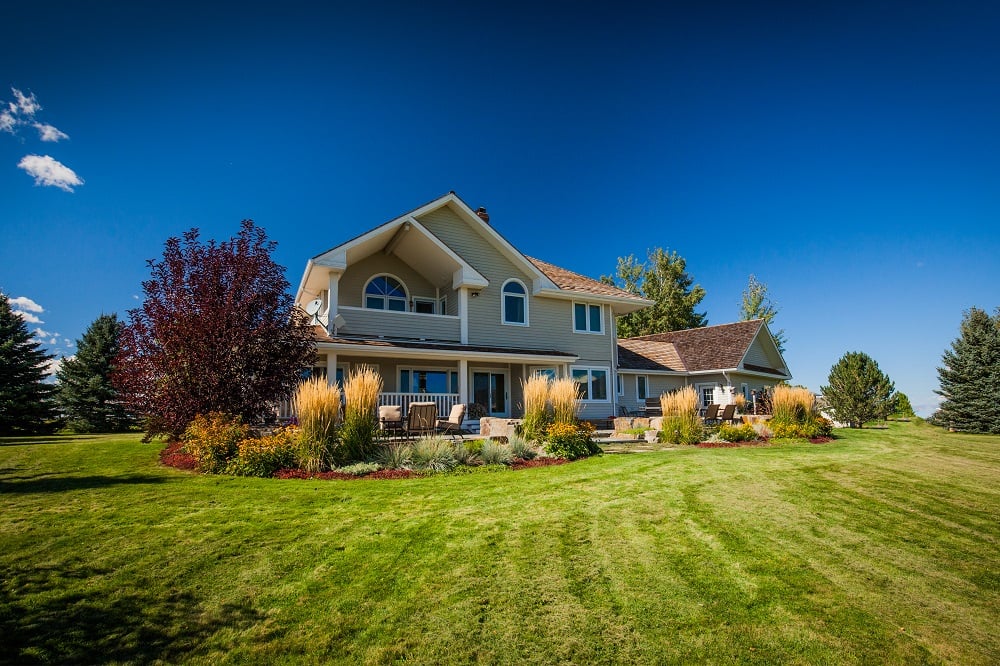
x,y
881,547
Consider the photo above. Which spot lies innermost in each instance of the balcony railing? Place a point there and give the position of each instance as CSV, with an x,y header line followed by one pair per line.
x,y
410,325
444,402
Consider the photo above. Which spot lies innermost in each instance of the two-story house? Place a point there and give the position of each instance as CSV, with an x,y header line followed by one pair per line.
x,y
446,309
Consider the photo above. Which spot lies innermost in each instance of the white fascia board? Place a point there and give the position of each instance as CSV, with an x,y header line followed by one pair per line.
x,y
444,354
774,346
466,275
302,282
625,305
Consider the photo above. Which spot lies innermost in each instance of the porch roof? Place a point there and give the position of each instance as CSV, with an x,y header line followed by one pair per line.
x,y
411,348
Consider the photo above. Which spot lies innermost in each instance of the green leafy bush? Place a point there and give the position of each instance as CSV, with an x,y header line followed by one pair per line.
x,y
213,440
263,456
566,440
740,433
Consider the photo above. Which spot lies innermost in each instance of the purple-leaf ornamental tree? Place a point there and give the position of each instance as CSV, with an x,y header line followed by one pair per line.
x,y
217,331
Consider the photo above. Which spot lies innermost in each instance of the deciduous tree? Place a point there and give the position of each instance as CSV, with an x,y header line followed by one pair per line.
x,y
85,392
663,279
859,391
970,376
25,400
757,304
217,332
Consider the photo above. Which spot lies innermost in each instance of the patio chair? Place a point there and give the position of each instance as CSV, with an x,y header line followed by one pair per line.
x,y
728,414
653,407
390,421
626,412
453,424
711,415
420,419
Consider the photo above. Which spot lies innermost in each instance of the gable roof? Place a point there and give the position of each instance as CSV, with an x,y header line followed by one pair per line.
x,y
570,281
710,348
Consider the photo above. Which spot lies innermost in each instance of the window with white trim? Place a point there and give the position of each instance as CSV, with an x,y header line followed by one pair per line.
x,y
544,371
591,384
587,318
428,380
620,383
384,292
641,387
514,303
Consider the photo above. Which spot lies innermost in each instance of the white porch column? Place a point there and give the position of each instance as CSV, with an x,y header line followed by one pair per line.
x,y
463,381
331,297
463,314
331,368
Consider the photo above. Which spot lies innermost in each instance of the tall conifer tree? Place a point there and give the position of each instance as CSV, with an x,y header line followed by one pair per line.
x,y
85,392
25,401
859,391
970,376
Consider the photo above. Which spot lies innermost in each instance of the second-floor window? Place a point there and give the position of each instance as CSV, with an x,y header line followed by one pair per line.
x,y
384,292
587,318
515,303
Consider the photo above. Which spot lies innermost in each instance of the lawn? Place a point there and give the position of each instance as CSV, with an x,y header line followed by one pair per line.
x,y
880,547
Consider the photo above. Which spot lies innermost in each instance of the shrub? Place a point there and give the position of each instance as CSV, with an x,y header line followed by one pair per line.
x,y
357,435
563,396
213,440
263,456
536,413
792,404
521,448
495,453
395,456
317,405
359,469
567,440
681,424
685,429
464,454
740,433
433,454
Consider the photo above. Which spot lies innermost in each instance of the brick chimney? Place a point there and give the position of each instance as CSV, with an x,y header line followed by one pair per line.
x,y
481,212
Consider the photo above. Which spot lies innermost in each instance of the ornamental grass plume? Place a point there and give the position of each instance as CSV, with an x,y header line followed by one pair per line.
x,y
681,402
536,409
792,404
361,390
564,400
317,407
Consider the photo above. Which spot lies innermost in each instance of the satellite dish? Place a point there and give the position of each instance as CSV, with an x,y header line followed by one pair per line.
x,y
314,306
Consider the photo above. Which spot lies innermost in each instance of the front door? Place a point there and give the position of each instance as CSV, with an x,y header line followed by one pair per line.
x,y
489,388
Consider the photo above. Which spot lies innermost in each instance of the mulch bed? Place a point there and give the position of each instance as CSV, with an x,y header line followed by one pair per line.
x,y
173,456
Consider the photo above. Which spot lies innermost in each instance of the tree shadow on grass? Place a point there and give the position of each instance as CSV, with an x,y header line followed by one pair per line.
x,y
21,440
48,615
51,483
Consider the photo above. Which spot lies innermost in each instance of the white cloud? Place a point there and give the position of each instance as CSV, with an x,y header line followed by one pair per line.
x,y
48,132
7,121
26,304
42,333
28,317
26,104
48,171
52,365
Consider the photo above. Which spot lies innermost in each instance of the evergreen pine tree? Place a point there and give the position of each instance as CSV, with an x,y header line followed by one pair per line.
x,y
757,304
85,392
25,401
901,407
859,391
663,279
970,376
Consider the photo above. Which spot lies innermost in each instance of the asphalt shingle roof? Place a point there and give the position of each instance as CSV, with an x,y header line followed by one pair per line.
x,y
692,350
566,279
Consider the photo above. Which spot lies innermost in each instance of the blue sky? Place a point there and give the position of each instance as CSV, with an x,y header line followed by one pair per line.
x,y
848,154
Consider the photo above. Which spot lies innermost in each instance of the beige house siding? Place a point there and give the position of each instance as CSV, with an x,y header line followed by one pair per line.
x,y
352,282
758,354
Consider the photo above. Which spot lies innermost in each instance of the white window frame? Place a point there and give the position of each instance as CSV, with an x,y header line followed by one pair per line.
x,y
549,371
406,290
620,383
645,380
589,369
426,368
433,302
503,302
701,392
589,317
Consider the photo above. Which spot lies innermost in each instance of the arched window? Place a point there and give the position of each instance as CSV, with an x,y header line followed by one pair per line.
x,y
384,292
515,303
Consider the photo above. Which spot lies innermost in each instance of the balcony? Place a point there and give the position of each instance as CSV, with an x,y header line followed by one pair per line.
x,y
364,322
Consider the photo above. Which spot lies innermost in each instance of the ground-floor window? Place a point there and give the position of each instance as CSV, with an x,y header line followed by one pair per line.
x,y
544,371
427,380
591,383
641,387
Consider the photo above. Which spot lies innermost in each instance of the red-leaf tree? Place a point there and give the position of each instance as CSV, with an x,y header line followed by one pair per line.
x,y
217,332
